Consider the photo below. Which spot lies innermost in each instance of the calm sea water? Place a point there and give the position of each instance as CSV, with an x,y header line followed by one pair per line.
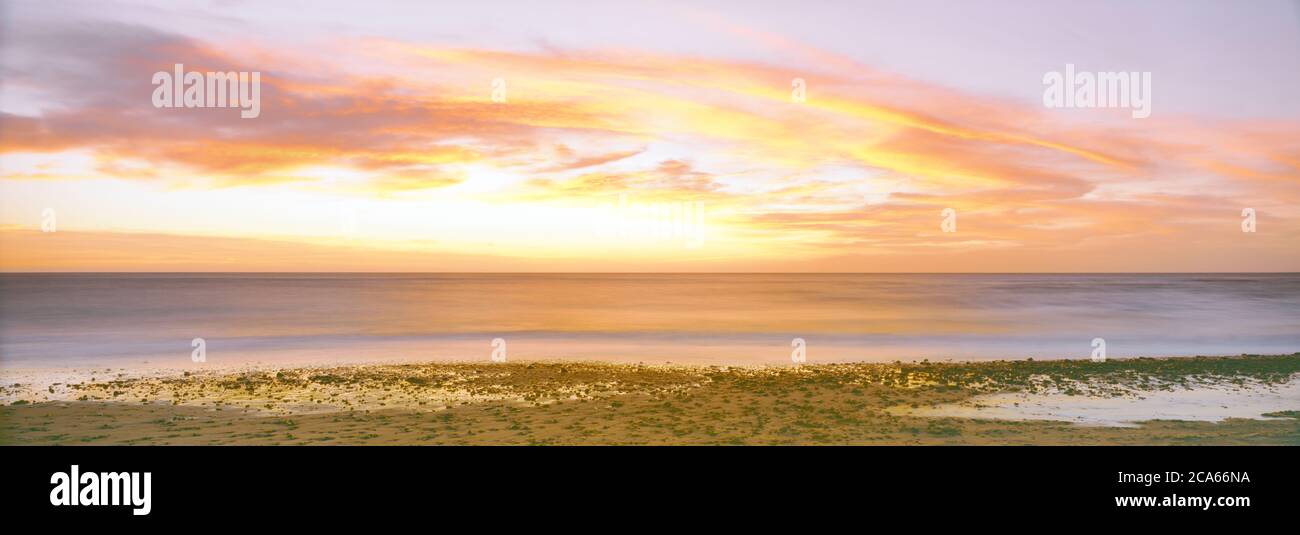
x,y
53,320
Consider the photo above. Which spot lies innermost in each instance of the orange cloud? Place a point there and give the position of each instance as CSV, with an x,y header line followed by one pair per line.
x,y
857,173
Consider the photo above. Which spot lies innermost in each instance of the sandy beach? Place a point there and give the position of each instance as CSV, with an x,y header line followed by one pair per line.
x,y
1202,400
1209,402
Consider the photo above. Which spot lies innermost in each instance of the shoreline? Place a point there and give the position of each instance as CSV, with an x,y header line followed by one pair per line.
x,y
653,403
39,376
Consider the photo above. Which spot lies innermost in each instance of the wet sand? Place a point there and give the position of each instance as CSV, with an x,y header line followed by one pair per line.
x,y
1206,402
595,403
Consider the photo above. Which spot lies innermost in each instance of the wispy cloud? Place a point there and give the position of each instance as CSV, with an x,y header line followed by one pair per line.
x,y
858,172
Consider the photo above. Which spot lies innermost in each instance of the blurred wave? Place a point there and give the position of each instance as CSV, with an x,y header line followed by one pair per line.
x,y
57,319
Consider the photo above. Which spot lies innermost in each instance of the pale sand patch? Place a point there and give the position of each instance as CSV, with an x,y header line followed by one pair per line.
x,y
43,385
1212,403
272,390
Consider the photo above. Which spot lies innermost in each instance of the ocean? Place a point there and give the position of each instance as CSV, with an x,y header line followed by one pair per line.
x,y
67,320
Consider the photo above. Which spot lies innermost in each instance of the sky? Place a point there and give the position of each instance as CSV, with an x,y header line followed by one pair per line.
x,y
835,136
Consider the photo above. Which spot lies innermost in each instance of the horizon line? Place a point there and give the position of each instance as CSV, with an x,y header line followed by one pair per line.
x,y
653,272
